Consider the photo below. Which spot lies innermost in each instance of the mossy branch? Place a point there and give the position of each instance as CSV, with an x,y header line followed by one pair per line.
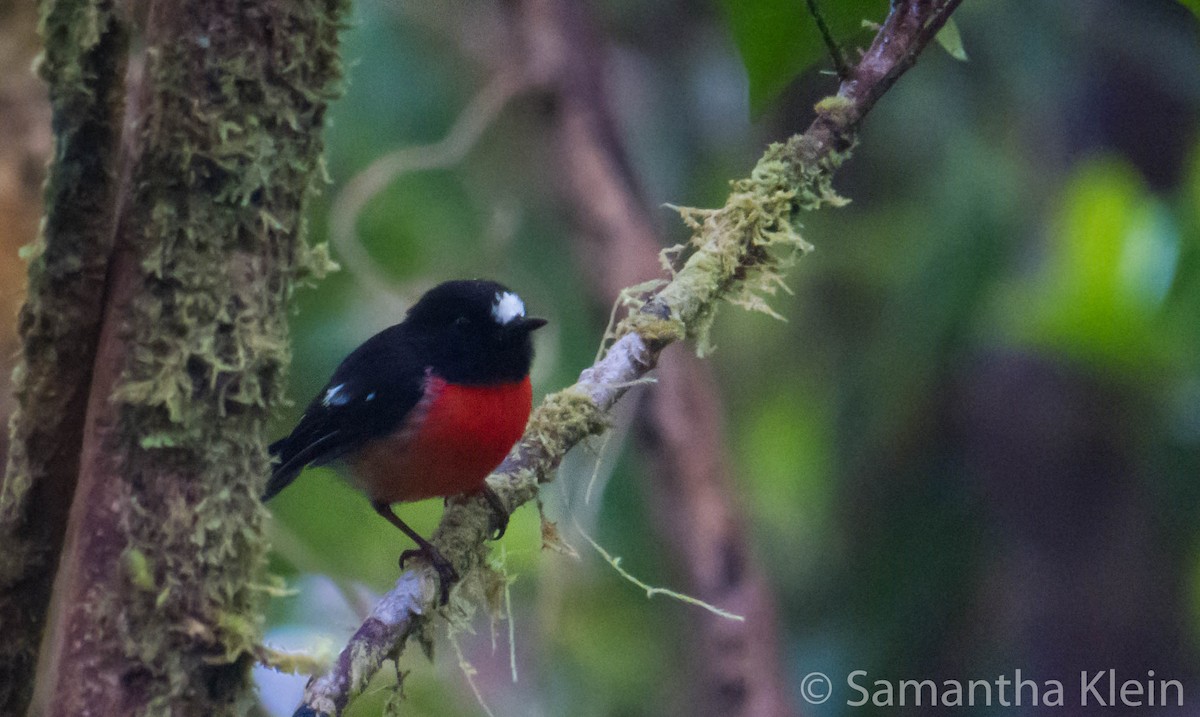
x,y
188,143
736,253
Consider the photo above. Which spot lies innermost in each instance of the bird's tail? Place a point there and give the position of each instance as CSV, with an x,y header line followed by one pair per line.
x,y
283,472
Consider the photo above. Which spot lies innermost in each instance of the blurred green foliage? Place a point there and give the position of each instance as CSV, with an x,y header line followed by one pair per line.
x,y
1105,277
951,40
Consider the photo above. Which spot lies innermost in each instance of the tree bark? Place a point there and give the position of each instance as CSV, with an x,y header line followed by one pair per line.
x,y
154,348
59,326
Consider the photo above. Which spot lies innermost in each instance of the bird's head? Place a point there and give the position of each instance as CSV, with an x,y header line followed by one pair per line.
x,y
476,331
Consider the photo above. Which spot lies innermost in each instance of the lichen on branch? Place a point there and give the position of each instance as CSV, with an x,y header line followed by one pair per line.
x,y
740,252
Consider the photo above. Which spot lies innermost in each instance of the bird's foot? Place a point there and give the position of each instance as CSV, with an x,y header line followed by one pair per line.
x,y
447,575
446,572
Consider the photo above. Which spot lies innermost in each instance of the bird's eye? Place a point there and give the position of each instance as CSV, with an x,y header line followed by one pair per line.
x,y
461,321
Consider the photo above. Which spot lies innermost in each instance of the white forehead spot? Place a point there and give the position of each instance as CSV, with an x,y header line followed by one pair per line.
x,y
335,397
508,306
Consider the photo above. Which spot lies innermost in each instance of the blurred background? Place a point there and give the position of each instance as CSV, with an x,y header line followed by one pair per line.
x,y
972,448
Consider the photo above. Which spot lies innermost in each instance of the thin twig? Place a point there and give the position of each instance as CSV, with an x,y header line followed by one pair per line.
x,y
835,50
651,590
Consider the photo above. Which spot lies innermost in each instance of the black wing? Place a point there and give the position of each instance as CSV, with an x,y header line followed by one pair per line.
x,y
370,395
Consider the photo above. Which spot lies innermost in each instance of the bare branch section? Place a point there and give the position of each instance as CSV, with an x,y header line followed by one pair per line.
x,y
733,250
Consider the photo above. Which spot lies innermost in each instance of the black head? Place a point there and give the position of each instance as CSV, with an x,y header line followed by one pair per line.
x,y
475,331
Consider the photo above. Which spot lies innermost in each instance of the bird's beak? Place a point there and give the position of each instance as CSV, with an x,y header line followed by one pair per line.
x,y
531,323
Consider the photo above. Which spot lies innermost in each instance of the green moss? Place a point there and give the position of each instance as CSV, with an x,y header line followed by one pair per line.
x,y
563,419
137,569
229,159
741,251
837,108
655,331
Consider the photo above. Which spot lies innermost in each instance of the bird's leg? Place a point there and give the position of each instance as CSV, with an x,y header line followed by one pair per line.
x,y
499,513
447,575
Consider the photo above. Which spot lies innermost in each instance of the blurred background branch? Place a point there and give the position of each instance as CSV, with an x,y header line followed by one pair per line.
x,y
474,120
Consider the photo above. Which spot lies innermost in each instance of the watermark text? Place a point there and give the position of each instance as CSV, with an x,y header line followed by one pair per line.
x,y
1091,688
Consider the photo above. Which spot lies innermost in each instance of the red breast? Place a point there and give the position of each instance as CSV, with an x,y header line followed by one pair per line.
x,y
457,436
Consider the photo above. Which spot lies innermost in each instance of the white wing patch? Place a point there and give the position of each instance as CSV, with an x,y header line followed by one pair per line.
x,y
507,307
335,397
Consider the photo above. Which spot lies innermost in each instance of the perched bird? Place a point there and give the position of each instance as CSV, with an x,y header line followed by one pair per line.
x,y
428,407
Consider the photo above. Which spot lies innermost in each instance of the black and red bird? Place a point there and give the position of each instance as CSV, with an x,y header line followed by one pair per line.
x,y
428,407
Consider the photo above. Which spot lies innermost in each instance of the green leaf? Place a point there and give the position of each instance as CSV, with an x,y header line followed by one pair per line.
x,y
951,41
779,39
157,440
1193,5
1112,257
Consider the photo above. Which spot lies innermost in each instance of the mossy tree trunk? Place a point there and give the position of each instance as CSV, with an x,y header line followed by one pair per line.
x,y
188,139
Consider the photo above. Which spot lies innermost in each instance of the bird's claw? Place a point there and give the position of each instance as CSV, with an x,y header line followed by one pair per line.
x,y
498,522
497,525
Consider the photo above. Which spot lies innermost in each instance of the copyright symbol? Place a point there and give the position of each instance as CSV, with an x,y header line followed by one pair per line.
x,y
815,688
